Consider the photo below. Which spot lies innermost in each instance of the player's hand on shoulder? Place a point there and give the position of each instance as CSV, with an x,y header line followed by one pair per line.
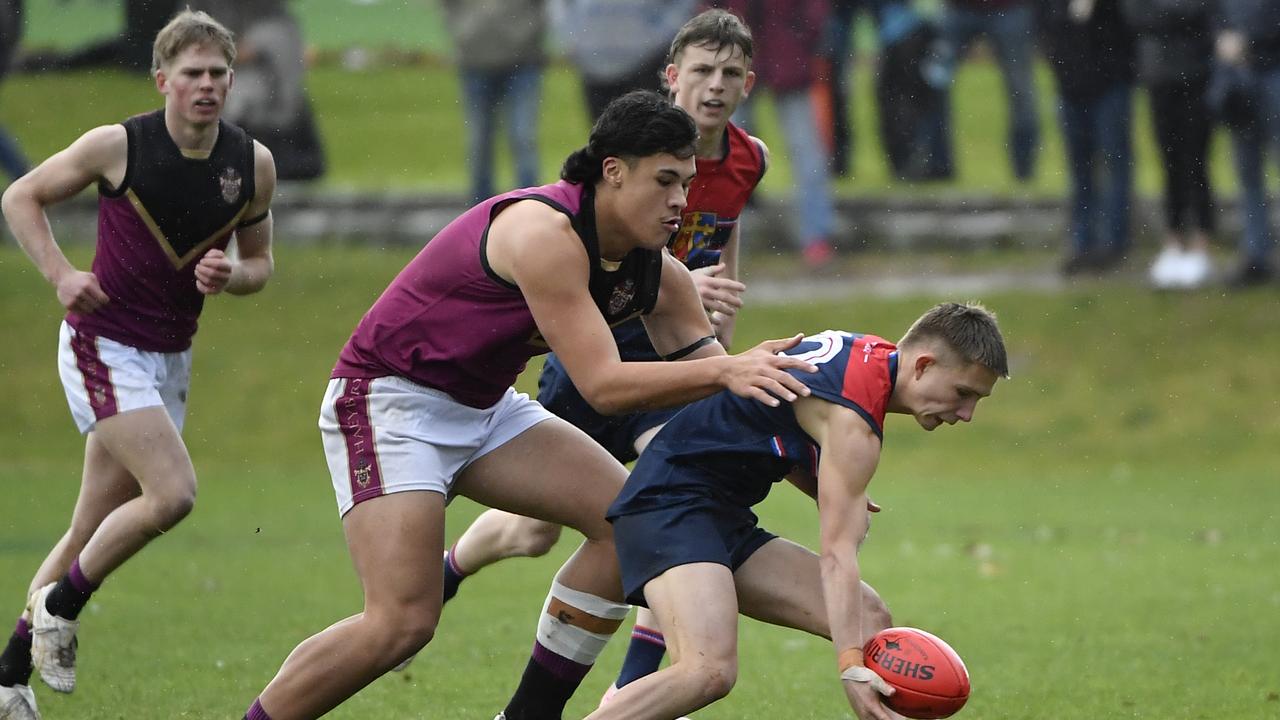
x,y
80,292
213,272
719,294
761,372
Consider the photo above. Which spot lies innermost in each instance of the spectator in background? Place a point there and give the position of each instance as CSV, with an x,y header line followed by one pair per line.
x,y
618,45
1009,27
1174,48
12,160
1090,51
1248,69
131,49
500,58
788,37
270,101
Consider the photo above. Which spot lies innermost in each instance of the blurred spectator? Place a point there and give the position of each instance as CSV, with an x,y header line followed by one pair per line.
x,y
1247,89
1090,51
1009,27
787,40
499,49
269,99
12,160
131,49
618,45
1174,52
913,114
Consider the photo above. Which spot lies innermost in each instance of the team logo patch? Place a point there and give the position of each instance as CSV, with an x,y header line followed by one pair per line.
x,y
696,231
362,475
230,182
622,296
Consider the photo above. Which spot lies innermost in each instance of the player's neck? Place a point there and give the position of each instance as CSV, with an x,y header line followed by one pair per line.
x,y
191,136
710,144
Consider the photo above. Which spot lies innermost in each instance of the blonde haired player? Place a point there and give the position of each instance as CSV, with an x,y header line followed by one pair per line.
x,y
175,186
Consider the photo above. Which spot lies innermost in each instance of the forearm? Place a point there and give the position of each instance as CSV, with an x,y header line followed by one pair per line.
x,y
635,386
842,593
249,275
30,227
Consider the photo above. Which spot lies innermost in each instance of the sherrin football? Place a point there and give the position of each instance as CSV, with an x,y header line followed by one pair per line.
x,y
929,677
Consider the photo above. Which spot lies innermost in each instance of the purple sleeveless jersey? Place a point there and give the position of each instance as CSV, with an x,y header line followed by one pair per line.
x,y
169,210
446,321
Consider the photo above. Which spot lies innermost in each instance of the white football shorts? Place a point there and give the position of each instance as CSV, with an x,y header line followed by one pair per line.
x,y
103,378
390,435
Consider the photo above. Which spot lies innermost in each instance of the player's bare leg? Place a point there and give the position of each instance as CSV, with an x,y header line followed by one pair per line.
x,y
781,584
146,445
696,605
572,486
498,535
396,542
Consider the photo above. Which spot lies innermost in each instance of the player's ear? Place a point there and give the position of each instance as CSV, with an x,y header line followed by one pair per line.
x,y
750,83
162,81
671,73
924,361
613,170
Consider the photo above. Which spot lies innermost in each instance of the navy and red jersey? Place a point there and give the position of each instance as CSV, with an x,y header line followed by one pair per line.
x,y
742,446
717,195
449,322
171,207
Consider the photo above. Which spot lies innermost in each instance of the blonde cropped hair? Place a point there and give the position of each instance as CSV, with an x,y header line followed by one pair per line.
x,y
188,28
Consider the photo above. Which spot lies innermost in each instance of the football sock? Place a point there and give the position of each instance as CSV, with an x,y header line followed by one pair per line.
x,y
256,712
15,661
644,655
572,631
71,594
453,575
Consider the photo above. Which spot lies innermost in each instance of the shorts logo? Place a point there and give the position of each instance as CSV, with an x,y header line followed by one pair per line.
x,y
362,475
230,182
99,396
622,296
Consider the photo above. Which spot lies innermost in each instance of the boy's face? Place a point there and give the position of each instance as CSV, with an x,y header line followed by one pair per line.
x,y
709,83
947,390
652,191
195,83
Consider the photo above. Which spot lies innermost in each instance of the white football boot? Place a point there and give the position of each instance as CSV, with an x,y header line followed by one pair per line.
x,y
1166,271
18,703
53,643
1195,269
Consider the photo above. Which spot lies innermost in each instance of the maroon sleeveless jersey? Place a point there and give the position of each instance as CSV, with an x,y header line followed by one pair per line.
x,y
449,322
168,211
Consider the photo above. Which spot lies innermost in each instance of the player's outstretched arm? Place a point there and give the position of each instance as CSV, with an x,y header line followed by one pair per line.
x,y
100,154
251,268
535,247
850,454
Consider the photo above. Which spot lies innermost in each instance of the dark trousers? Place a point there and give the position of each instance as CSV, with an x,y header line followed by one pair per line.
x,y
1098,135
1183,127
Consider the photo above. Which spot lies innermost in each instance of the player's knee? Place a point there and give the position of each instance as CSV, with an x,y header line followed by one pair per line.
x,y
713,679
537,540
169,506
404,631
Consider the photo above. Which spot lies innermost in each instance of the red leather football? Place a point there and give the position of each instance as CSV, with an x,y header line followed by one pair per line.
x,y
929,677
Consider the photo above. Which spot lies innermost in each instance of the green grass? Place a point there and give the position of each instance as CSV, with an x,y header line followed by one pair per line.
x,y
1100,542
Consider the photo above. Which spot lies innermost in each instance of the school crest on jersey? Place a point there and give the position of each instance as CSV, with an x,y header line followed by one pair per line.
x,y
230,182
363,474
696,231
623,294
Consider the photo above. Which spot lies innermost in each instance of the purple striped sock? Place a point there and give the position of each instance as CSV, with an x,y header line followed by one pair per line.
x,y
558,665
23,629
78,580
256,712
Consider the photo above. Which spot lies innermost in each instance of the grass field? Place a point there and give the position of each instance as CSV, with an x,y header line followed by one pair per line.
x,y
1101,543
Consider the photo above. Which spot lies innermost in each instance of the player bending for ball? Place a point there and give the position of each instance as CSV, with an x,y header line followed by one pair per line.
x,y
689,545
709,74
174,185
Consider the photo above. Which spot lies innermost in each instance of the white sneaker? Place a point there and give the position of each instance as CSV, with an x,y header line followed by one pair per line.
x,y
1166,271
53,643
1194,269
18,703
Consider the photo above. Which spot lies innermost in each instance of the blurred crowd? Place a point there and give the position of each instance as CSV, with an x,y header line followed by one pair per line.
x,y
1202,63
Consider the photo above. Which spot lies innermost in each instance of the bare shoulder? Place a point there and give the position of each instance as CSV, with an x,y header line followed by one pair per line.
x,y
529,237
264,176
101,148
764,149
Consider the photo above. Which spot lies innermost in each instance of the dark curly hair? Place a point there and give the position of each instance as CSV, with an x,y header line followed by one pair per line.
x,y
638,124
